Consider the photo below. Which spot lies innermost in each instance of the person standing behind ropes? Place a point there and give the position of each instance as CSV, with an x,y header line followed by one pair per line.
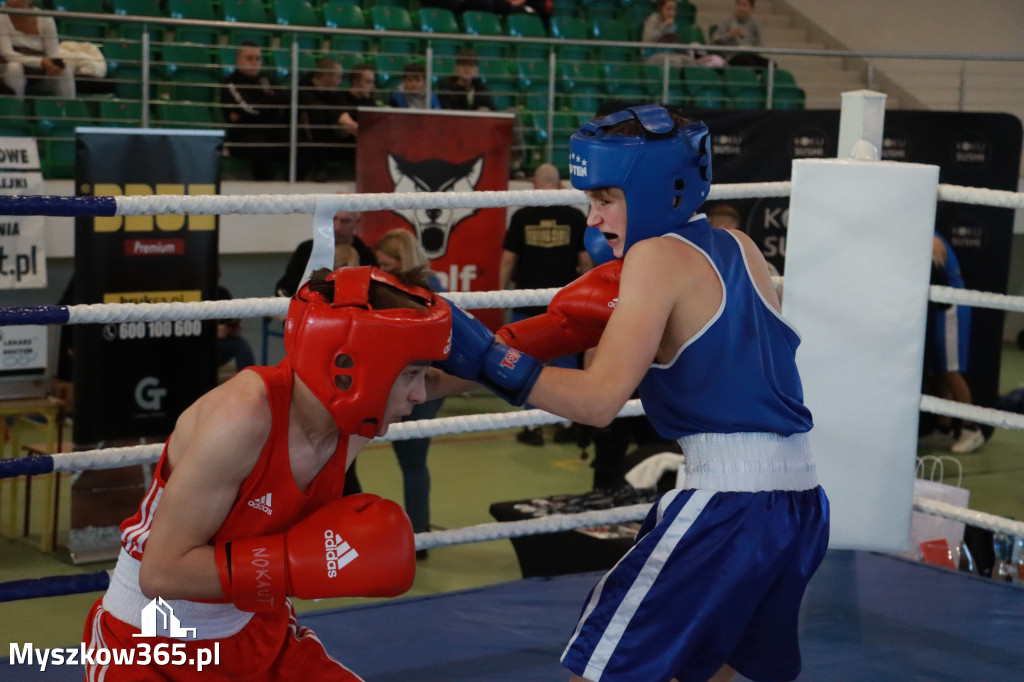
x,y
246,507
398,251
715,578
544,248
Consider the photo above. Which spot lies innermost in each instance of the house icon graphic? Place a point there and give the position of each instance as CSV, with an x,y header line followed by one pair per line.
x,y
171,627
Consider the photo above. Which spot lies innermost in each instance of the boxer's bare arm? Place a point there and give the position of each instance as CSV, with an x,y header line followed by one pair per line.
x,y
667,292
215,444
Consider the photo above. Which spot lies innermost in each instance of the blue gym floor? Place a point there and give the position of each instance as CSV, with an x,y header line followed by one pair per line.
x,y
866,618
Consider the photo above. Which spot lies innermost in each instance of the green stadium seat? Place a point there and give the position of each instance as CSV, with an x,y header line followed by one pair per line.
x,y
497,76
138,8
439,20
95,6
525,26
262,39
56,120
187,68
613,29
13,122
388,18
622,78
298,13
388,69
124,67
574,75
201,10
442,65
247,11
282,64
119,113
168,114
484,24
743,88
343,14
82,30
571,28
703,87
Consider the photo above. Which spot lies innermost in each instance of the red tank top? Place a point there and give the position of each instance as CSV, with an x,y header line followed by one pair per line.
x,y
268,501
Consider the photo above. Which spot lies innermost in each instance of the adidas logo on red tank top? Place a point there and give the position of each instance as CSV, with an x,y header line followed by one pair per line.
x,y
262,503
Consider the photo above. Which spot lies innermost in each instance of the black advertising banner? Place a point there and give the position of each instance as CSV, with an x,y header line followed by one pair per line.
x,y
970,149
133,379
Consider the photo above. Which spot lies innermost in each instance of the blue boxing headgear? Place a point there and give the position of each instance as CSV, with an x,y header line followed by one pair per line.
x,y
664,173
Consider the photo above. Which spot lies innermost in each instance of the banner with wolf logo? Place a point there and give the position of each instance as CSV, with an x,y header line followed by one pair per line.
x,y
403,150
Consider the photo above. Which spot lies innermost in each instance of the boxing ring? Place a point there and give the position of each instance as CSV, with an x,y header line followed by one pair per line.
x,y
867,615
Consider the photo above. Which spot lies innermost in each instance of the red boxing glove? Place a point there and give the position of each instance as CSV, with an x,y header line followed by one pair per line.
x,y
356,546
575,319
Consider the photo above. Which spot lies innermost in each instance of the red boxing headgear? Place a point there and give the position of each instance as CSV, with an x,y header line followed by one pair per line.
x,y
349,353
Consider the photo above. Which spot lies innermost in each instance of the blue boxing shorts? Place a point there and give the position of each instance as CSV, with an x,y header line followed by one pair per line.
x,y
714,578
950,339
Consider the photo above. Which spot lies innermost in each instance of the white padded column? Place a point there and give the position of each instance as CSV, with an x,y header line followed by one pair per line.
x,y
858,255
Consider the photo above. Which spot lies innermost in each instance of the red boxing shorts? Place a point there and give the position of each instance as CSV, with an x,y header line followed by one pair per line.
x,y
271,646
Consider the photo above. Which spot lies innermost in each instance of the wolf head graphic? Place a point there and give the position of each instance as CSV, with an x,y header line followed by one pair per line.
x,y
434,225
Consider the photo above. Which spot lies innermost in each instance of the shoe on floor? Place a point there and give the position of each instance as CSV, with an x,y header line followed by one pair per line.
x,y
969,441
530,436
421,554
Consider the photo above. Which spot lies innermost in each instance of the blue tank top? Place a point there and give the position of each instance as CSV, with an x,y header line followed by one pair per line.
x,y
738,374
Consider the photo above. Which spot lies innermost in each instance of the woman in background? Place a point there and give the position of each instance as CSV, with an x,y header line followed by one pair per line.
x,y
399,251
29,45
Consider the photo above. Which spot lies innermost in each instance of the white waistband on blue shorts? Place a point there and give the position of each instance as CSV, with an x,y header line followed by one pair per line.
x,y
125,601
748,462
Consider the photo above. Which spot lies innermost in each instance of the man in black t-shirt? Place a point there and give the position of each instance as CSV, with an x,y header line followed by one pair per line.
x,y
543,248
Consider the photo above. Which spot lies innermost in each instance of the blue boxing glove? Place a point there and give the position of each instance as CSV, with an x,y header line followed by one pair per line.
x,y
476,356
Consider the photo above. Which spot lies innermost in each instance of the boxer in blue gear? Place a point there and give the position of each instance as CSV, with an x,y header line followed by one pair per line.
x,y
715,579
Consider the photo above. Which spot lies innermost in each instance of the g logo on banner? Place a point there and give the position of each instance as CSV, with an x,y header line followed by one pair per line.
x,y
148,395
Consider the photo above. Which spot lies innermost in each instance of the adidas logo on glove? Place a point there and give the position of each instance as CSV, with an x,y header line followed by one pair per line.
x,y
339,553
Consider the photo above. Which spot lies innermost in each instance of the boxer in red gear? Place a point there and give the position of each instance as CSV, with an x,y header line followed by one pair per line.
x,y
259,462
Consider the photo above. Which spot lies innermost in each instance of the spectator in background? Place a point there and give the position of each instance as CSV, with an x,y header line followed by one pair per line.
x,y
322,121
412,93
724,216
346,233
740,30
30,46
254,108
660,27
361,83
465,90
231,345
544,248
947,349
399,251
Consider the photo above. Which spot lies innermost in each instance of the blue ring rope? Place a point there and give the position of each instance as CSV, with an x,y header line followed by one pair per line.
x,y
54,586
26,466
53,205
35,314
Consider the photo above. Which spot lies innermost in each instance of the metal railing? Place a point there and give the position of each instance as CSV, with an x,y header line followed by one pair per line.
x,y
544,80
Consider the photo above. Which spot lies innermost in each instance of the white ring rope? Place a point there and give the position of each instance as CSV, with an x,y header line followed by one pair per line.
x,y
553,523
281,204
980,415
106,313
991,522
277,204
981,196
